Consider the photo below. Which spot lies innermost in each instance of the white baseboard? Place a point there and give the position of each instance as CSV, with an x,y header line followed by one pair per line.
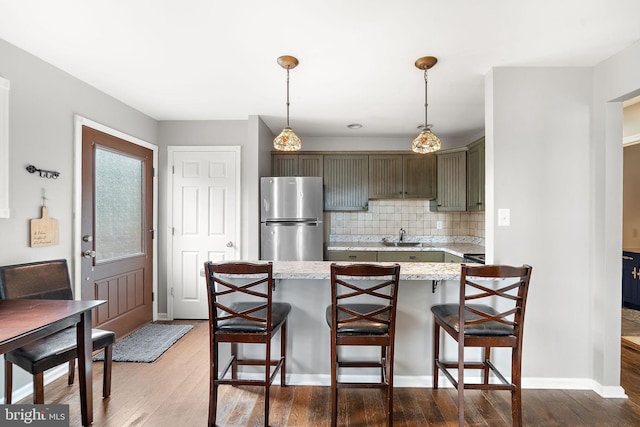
x,y
425,381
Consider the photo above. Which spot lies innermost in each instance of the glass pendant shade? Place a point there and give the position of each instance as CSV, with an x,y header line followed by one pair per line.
x,y
287,140
426,142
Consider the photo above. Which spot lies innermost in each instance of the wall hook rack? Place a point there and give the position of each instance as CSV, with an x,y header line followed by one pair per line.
x,y
43,173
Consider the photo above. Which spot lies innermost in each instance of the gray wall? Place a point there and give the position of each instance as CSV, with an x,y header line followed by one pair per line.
x,y
554,157
42,104
539,142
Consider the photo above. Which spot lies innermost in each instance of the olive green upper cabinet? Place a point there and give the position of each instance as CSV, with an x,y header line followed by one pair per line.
x,y
452,182
419,172
394,176
346,182
475,176
296,164
385,176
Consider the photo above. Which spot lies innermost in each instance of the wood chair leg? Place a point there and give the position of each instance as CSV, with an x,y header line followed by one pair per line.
x,y
106,374
516,392
461,381
8,382
389,372
334,382
38,388
283,354
234,365
383,355
436,352
487,358
72,371
267,385
213,385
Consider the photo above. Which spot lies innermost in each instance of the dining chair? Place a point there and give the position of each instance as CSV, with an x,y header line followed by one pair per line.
x,y
363,313
497,322
48,280
242,311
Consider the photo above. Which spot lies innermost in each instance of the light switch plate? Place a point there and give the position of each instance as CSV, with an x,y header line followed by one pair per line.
x,y
504,217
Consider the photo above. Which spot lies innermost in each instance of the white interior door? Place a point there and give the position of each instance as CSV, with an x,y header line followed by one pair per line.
x,y
205,207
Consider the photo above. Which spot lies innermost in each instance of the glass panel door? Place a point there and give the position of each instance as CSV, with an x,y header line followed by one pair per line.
x,y
118,194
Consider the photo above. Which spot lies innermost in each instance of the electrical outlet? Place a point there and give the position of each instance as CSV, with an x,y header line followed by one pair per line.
x,y
439,225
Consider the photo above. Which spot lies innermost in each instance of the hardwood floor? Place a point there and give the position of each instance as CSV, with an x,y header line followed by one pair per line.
x,y
173,391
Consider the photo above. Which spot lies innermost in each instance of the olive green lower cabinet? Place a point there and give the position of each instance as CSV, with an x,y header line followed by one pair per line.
x,y
352,256
452,258
393,256
411,256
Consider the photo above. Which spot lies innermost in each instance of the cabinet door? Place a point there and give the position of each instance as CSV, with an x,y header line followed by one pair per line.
x,y
419,176
385,176
452,258
310,164
475,176
452,182
352,256
296,164
346,182
284,164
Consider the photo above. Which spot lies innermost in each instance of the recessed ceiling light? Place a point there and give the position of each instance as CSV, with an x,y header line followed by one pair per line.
x,y
354,126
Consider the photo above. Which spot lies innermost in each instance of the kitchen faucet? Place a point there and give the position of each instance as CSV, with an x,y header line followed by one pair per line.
x,y
402,233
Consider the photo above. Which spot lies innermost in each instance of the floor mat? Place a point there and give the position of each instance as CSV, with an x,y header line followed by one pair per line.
x,y
147,343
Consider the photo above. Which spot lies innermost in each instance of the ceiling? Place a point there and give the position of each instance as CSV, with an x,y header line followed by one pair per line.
x,y
215,60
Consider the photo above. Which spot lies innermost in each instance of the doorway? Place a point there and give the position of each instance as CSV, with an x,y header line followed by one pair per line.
x,y
630,322
204,220
115,195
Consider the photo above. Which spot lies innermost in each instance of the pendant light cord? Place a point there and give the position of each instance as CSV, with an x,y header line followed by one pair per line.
x,y
426,104
287,96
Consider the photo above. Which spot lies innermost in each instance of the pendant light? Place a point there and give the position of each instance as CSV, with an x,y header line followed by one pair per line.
x,y
287,140
427,141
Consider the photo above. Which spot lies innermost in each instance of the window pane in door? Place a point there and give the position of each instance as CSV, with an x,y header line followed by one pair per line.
x,y
118,192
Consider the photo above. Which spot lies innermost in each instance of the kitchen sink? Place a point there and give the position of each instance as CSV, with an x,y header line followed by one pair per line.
x,y
387,243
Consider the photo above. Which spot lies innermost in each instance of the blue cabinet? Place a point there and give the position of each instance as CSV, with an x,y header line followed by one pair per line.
x,y
631,279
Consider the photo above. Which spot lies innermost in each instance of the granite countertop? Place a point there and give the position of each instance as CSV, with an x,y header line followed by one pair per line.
x,y
458,249
408,270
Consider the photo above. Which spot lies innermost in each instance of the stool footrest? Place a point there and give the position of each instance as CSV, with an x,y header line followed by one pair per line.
x,y
445,366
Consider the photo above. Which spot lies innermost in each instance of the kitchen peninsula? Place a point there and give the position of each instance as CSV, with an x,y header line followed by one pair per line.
x,y
306,286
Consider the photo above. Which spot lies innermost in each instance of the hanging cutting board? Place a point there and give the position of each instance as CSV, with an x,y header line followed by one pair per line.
x,y
44,231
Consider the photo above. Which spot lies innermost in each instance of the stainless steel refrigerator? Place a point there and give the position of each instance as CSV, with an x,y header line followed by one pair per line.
x,y
291,218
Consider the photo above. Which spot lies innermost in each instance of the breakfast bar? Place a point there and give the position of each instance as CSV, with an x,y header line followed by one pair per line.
x,y
306,286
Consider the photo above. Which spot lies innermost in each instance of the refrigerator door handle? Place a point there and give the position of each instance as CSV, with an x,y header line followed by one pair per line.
x,y
290,223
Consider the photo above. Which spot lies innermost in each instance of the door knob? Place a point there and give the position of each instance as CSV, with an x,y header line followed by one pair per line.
x,y
87,238
229,244
89,254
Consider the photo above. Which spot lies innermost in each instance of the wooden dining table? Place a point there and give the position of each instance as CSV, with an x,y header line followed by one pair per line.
x,y
26,320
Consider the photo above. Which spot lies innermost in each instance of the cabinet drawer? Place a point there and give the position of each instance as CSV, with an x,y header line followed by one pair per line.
x,y
352,256
411,256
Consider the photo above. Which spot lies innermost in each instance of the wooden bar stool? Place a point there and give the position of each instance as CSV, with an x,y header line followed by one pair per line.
x,y
253,321
485,326
363,313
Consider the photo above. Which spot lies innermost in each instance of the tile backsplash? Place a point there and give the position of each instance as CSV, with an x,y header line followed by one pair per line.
x,y
385,217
